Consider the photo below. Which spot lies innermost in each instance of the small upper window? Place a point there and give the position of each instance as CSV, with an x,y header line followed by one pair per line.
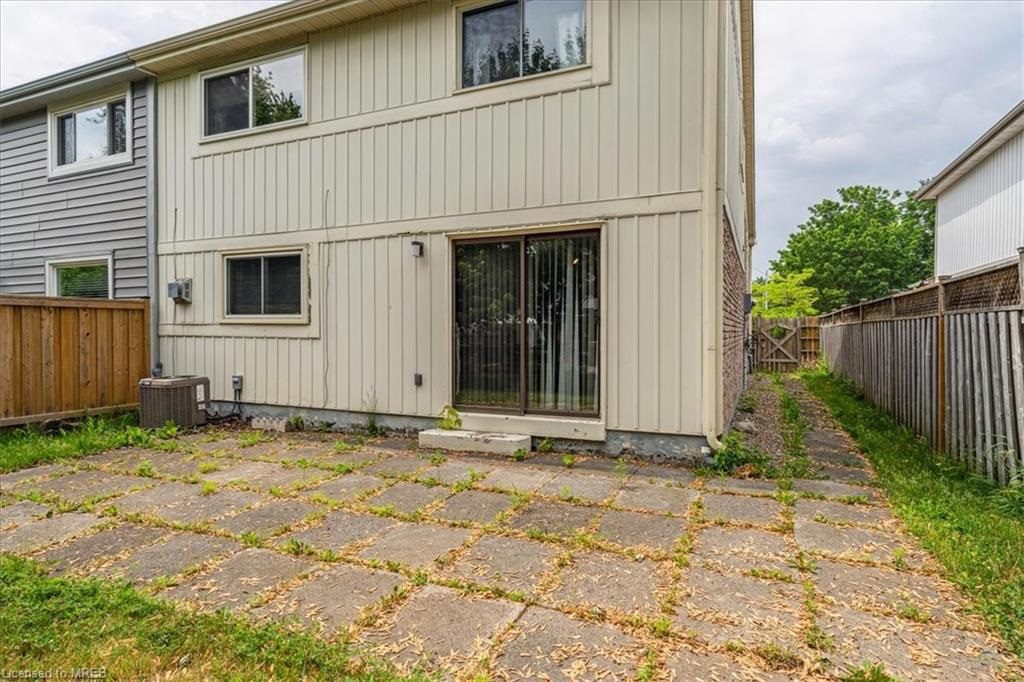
x,y
520,38
264,285
83,279
260,94
92,133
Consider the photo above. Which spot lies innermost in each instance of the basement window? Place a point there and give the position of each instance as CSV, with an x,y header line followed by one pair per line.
x,y
79,278
91,135
261,94
265,285
516,38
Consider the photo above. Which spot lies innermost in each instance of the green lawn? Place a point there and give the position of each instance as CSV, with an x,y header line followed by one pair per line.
x,y
974,529
59,624
29,446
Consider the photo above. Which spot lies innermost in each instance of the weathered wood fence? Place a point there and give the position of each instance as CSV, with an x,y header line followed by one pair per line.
x,y
944,359
785,344
64,357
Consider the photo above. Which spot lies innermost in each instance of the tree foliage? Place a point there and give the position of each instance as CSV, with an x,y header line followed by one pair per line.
x,y
269,103
784,295
865,245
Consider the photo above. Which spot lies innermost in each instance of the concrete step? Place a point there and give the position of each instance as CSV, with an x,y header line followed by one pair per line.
x,y
474,441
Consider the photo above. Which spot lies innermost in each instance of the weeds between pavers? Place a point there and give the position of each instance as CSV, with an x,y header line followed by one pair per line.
x,y
957,515
795,462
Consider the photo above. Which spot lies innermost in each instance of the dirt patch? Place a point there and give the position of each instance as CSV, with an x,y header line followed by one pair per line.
x,y
766,417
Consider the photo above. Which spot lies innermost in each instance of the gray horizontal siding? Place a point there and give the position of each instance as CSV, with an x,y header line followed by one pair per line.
x,y
89,214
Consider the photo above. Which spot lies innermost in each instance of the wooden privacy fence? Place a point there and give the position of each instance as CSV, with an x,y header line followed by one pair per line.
x,y
785,344
63,357
944,359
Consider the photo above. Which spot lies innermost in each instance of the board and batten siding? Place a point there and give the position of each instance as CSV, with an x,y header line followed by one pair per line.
x,y
92,213
378,316
391,155
980,218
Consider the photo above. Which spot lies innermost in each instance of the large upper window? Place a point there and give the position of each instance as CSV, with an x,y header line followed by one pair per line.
x,y
264,285
520,38
527,323
259,94
95,134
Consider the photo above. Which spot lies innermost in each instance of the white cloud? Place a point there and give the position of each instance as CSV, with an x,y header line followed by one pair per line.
x,y
41,38
872,92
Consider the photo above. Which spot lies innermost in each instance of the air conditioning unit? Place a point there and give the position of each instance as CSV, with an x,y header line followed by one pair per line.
x,y
181,399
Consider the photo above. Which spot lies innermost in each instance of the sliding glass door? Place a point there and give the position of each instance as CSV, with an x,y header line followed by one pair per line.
x,y
527,324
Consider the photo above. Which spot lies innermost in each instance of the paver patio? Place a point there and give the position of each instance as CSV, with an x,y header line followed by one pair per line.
x,y
520,570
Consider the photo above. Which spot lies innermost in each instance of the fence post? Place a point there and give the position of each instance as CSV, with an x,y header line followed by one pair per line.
x,y
892,357
860,329
940,366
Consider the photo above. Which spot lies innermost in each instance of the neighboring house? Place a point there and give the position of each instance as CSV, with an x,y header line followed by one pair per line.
x,y
979,200
383,207
74,180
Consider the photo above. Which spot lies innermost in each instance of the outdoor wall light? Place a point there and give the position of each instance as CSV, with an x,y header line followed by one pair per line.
x,y
417,249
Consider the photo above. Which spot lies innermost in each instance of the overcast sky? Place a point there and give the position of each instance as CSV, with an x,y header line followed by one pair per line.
x,y
882,93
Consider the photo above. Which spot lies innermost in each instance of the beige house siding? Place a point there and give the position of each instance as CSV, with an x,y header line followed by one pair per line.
x,y
390,154
378,316
538,142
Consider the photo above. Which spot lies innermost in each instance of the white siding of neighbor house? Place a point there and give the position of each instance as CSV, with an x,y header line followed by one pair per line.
x,y
980,219
389,155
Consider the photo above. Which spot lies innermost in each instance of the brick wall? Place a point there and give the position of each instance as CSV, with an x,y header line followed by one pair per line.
x,y
734,331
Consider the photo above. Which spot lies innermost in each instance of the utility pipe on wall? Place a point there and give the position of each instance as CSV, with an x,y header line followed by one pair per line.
x,y
711,265
152,267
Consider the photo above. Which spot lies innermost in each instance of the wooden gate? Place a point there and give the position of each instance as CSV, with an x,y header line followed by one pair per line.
x,y
785,344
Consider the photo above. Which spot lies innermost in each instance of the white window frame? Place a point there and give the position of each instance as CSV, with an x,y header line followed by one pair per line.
x,y
461,7
248,64
302,317
52,136
52,265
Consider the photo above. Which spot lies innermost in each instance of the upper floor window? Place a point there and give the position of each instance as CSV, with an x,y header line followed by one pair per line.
x,y
258,94
91,135
517,38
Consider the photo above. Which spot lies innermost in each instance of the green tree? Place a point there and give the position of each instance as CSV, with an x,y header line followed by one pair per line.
x,y
269,104
865,245
784,295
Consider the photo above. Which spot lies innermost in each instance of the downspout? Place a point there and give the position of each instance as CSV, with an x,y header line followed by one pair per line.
x,y
151,235
710,214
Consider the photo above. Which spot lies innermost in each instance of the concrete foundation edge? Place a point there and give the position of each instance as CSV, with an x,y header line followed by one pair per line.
x,y
657,447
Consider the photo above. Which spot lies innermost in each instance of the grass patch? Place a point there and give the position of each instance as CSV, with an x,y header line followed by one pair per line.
x,y
795,462
30,445
736,454
868,673
56,623
959,517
